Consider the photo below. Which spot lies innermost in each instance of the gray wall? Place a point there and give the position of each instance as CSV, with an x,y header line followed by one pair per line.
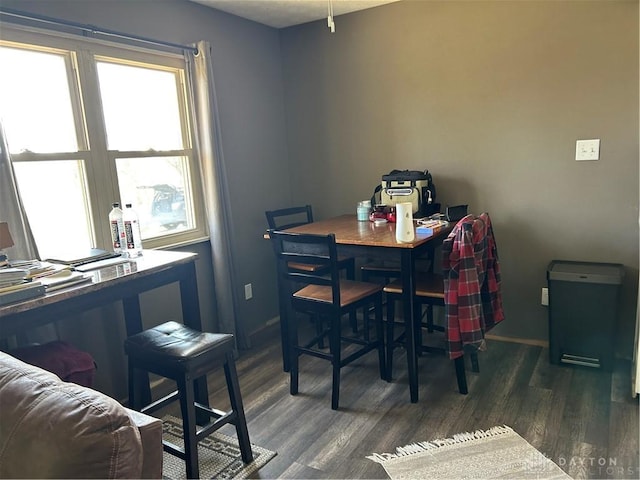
x,y
491,98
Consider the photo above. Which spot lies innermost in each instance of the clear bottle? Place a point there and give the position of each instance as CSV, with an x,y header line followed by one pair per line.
x,y
132,230
118,235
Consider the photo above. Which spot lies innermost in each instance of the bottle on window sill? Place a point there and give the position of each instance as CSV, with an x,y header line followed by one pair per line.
x,y
118,235
132,230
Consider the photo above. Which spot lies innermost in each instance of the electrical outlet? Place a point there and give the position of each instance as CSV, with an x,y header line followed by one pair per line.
x,y
545,297
248,292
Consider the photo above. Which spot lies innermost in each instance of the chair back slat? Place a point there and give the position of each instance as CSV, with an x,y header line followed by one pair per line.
x,y
285,218
307,249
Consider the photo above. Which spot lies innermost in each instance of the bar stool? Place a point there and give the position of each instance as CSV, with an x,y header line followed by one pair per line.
x,y
182,354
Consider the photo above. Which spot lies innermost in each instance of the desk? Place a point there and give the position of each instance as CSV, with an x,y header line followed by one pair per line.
x,y
354,237
121,282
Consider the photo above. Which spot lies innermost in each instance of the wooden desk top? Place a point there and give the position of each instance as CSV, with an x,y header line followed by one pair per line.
x,y
349,231
150,263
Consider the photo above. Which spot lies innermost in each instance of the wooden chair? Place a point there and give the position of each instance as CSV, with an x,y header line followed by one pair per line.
x,y
430,291
387,273
286,218
290,217
330,297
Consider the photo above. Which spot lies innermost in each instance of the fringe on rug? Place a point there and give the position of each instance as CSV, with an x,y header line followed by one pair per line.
x,y
419,447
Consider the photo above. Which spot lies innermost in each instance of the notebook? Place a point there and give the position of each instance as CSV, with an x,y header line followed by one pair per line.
x,y
80,258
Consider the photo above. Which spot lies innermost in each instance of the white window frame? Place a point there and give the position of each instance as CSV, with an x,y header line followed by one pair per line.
x,y
100,163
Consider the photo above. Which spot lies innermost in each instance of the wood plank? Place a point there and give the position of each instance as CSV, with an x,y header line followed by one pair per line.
x,y
565,412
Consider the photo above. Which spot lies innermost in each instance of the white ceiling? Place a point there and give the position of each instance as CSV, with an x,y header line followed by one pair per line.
x,y
285,13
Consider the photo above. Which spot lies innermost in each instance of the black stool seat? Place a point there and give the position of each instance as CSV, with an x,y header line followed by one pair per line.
x,y
184,355
175,346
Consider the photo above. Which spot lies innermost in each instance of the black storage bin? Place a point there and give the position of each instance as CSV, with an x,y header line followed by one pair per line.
x,y
583,306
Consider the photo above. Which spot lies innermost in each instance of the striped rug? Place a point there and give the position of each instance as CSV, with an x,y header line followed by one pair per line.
x,y
218,455
498,452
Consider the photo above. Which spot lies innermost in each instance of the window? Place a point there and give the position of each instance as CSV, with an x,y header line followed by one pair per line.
x,y
89,124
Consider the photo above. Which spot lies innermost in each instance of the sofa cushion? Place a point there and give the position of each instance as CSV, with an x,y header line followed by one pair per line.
x,y
54,429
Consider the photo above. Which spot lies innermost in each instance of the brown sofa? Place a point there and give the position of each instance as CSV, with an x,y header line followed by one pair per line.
x,y
54,429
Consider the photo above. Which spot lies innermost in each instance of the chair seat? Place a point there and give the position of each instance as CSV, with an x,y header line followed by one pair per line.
x,y
305,267
350,292
427,285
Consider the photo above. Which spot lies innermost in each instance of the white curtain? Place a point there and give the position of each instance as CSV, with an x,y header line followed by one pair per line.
x,y
12,210
216,190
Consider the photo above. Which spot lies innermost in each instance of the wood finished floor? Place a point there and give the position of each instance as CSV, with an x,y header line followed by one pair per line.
x,y
584,420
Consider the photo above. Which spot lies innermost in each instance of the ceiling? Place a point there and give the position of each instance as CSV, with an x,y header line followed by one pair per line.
x,y
285,13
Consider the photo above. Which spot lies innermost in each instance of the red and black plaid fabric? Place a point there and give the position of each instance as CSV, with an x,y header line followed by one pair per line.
x,y
473,301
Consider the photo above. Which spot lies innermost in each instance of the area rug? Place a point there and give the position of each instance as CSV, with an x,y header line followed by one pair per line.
x,y
495,453
218,455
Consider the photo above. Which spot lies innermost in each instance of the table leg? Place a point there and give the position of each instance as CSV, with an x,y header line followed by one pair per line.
x,y
409,312
192,319
133,323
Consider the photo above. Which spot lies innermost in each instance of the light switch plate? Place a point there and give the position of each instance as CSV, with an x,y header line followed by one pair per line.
x,y
588,149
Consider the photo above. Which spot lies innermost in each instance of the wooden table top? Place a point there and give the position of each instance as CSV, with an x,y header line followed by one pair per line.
x,y
349,231
152,262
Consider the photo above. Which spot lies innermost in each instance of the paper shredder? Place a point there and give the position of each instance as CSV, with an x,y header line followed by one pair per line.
x,y
583,306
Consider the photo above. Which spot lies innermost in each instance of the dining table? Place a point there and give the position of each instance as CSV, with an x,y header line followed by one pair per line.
x,y
368,239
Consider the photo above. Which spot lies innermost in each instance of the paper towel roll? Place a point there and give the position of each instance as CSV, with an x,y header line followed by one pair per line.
x,y
405,231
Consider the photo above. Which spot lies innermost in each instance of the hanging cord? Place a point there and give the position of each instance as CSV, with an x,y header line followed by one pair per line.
x,y
330,23
92,29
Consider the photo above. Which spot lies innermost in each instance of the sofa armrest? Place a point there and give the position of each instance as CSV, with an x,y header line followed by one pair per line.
x,y
54,429
150,429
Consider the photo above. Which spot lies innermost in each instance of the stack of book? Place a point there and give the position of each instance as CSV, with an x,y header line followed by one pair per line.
x,y
37,269
431,227
15,286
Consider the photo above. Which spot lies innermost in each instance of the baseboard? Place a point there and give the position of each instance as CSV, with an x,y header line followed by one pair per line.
x,y
266,331
268,328
526,341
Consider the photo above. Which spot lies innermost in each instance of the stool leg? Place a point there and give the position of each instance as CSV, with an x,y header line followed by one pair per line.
x,y
235,398
134,392
188,409
391,319
317,319
430,318
475,366
293,358
334,350
380,337
460,375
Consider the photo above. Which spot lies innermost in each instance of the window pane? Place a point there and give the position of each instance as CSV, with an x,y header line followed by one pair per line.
x,y
53,196
156,189
35,103
141,109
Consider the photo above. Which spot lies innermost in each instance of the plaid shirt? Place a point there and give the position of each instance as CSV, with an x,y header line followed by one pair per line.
x,y
473,302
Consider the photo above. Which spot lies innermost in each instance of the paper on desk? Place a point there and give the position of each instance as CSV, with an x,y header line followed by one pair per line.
x,y
62,279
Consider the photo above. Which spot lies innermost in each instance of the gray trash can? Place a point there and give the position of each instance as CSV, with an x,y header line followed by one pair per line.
x,y
583,306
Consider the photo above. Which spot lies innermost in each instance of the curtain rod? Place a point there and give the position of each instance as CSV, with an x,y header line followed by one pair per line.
x,y
92,29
